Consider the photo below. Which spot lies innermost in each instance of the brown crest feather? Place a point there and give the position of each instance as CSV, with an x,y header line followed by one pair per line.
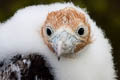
x,y
67,17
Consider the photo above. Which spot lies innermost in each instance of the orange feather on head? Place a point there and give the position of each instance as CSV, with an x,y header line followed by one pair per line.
x,y
68,18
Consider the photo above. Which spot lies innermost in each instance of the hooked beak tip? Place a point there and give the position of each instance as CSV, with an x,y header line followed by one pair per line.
x,y
58,58
58,50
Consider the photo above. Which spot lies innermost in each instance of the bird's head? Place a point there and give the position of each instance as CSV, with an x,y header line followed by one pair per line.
x,y
66,32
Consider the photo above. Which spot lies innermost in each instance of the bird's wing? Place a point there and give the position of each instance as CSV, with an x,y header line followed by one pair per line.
x,y
29,67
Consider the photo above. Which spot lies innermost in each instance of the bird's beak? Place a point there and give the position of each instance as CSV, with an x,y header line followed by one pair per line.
x,y
64,43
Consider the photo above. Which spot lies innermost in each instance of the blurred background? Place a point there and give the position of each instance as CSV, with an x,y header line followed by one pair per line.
x,y
106,13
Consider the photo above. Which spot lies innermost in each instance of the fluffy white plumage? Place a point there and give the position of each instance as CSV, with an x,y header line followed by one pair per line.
x,y
21,34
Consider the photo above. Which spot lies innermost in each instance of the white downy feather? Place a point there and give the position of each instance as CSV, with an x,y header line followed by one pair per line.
x,y
21,34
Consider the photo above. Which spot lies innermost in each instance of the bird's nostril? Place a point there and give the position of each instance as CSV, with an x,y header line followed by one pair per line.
x,y
65,45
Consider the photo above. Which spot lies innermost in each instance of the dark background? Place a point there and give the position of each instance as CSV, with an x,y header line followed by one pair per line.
x,y
106,13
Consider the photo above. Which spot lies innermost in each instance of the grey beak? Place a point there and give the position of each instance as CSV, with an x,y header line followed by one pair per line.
x,y
63,43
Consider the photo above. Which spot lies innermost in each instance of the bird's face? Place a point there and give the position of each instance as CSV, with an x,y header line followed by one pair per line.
x,y
66,32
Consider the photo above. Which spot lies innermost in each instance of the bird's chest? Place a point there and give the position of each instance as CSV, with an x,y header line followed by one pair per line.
x,y
75,70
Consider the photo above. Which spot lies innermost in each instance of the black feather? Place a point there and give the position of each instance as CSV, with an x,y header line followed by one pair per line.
x,y
29,67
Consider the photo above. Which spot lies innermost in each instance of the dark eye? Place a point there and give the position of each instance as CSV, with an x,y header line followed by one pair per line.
x,y
48,31
81,31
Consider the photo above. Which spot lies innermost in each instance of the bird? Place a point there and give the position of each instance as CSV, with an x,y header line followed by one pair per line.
x,y
65,36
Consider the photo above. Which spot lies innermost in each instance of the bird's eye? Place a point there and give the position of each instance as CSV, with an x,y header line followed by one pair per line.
x,y
81,31
49,31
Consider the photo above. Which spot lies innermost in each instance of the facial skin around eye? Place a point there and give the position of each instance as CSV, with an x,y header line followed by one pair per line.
x,y
82,31
49,31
